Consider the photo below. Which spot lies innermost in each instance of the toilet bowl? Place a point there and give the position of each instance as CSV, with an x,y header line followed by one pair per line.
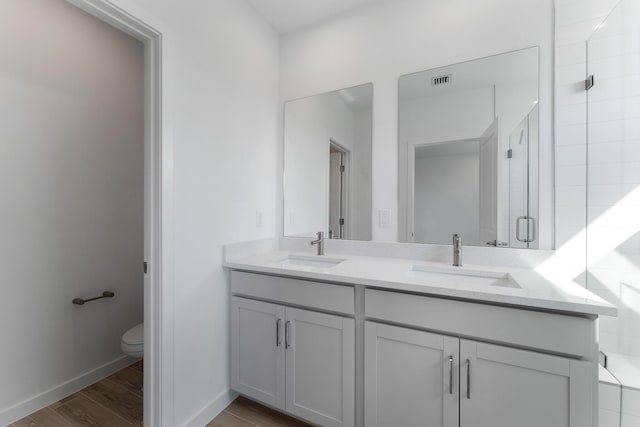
x,y
132,343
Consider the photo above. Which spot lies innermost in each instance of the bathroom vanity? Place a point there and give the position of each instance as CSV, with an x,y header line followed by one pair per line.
x,y
357,340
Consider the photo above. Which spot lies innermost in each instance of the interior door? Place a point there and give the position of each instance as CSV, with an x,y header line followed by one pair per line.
x,y
523,182
257,350
488,181
411,378
335,194
506,387
320,367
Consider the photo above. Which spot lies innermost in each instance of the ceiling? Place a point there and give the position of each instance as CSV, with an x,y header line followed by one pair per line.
x,y
290,15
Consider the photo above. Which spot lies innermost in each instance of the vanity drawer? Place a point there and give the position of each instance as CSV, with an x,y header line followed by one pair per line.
x,y
552,332
316,295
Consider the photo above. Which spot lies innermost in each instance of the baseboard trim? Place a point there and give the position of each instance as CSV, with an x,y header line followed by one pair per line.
x,y
210,411
28,406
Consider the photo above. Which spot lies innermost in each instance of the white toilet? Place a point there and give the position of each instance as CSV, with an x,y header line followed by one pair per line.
x,y
132,343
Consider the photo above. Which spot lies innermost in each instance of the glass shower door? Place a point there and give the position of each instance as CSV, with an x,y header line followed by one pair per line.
x,y
523,140
613,174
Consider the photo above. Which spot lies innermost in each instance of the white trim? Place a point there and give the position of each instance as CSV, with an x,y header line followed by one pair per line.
x,y
54,394
346,189
211,410
158,249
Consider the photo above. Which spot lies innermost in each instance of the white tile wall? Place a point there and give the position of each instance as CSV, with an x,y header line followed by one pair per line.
x,y
600,162
609,400
575,21
630,407
629,420
614,174
571,135
609,405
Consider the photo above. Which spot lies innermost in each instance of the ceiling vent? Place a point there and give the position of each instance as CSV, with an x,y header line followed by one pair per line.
x,y
441,80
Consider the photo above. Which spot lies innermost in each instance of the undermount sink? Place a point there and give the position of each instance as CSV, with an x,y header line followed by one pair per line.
x,y
316,261
461,276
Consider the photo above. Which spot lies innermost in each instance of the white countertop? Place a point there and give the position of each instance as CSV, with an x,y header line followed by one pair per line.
x,y
535,291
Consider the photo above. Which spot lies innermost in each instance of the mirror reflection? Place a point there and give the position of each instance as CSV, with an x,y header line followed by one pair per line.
x,y
327,164
468,152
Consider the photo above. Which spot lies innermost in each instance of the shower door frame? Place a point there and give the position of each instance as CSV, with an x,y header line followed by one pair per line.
x,y
158,190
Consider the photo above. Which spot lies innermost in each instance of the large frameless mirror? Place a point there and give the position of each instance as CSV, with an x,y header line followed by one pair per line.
x,y
468,152
327,164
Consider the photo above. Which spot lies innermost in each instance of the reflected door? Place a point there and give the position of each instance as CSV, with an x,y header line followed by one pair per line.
x,y
336,193
488,209
522,222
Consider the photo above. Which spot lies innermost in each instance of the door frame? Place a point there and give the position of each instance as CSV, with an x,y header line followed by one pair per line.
x,y
412,146
158,191
346,185
492,132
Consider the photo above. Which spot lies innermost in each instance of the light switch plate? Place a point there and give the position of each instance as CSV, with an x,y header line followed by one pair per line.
x,y
259,219
384,218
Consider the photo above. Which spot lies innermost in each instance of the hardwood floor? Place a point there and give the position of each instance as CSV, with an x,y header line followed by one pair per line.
x,y
116,401
243,412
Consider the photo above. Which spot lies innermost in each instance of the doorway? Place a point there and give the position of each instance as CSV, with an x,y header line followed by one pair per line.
x,y
155,193
158,191
338,191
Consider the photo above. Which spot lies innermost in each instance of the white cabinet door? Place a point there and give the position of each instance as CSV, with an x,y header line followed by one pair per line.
x,y
257,350
320,367
411,378
505,387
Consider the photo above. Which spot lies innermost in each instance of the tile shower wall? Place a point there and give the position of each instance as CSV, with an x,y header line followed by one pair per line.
x,y
597,165
575,21
613,174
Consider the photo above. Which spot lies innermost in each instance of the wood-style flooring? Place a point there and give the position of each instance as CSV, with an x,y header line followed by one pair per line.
x,y
116,401
243,412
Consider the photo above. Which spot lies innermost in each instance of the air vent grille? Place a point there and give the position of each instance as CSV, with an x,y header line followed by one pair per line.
x,y
441,80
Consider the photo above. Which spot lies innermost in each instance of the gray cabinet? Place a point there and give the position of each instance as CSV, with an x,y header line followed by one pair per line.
x,y
299,361
416,378
506,387
257,350
411,377
320,373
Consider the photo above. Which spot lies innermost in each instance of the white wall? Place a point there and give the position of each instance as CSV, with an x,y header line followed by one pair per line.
x,y
220,89
464,114
71,182
388,39
361,215
447,198
224,86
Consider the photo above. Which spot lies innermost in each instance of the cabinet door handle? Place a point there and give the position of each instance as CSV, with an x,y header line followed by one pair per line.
x,y
450,374
278,340
287,326
468,379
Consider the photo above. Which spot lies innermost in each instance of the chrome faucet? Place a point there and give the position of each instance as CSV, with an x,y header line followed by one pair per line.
x,y
457,251
320,242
